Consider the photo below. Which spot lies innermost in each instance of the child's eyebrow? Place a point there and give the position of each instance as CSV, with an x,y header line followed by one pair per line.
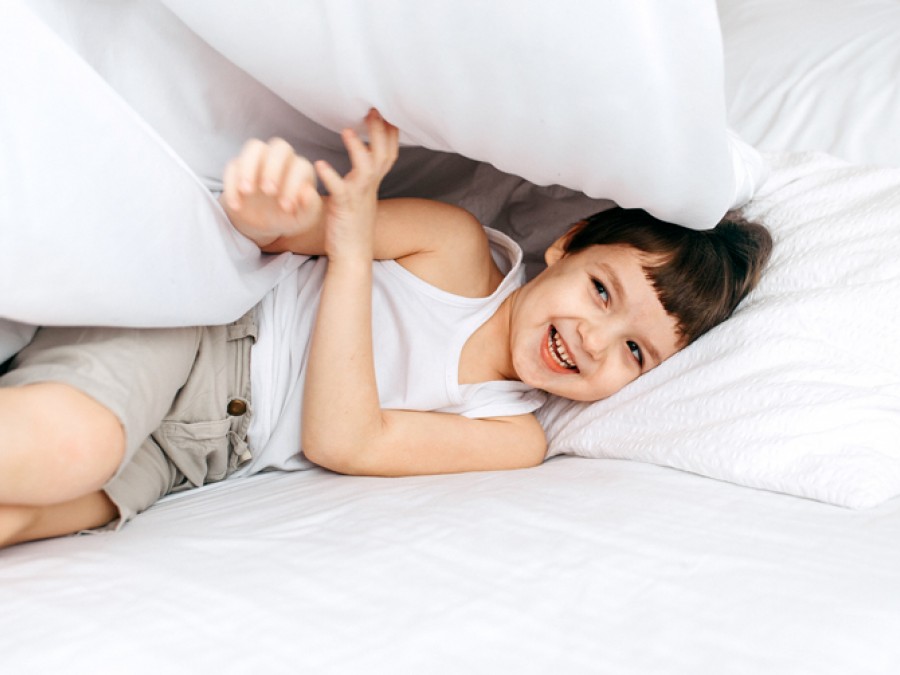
x,y
619,292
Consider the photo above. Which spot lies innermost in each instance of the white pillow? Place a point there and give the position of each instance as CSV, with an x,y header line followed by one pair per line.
x,y
799,392
100,222
202,105
619,100
816,75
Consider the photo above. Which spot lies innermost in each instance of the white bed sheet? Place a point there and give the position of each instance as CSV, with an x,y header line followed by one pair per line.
x,y
577,566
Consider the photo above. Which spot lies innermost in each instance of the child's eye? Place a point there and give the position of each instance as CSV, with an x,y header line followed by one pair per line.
x,y
601,290
636,352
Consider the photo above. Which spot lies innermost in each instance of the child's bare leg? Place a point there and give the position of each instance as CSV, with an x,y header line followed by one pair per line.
x,y
56,444
27,523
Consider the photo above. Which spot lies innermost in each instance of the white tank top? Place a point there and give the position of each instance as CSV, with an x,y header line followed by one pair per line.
x,y
418,335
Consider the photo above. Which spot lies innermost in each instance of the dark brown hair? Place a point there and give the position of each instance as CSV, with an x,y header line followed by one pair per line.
x,y
700,276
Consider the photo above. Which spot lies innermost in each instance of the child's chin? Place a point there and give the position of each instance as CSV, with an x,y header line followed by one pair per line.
x,y
563,392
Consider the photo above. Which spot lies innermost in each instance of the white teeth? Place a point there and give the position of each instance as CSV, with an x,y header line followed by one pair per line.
x,y
558,350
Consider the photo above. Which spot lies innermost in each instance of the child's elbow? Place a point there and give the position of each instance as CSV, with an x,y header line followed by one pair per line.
x,y
331,455
316,450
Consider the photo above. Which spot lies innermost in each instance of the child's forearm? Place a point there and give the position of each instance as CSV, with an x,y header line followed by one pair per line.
x,y
311,241
346,430
341,410
342,414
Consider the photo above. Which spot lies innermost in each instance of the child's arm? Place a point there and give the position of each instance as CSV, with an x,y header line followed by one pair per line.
x,y
270,197
344,427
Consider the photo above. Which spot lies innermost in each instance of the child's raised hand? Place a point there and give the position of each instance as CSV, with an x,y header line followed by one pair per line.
x,y
350,211
270,192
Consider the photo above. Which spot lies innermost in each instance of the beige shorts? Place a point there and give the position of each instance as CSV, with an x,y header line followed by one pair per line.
x,y
182,395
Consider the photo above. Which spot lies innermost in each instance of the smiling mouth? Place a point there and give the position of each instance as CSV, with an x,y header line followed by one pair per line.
x,y
558,351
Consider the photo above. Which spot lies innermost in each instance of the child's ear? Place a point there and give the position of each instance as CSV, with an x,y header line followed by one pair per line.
x,y
557,249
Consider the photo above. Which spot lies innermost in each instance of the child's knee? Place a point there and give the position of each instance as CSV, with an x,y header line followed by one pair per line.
x,y
89,430
57,435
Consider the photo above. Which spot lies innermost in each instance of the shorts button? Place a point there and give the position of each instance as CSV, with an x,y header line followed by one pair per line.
x,y
236,407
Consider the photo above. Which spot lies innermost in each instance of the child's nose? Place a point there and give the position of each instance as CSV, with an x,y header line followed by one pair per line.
x,y
594,338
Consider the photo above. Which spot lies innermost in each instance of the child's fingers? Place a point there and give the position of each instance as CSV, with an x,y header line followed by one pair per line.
x,y
383,139
299,174
230,191
309,199
375,125
358,151
276,158
391,148
248,165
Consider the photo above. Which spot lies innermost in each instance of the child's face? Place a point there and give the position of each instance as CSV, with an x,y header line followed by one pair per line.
x,y
589,324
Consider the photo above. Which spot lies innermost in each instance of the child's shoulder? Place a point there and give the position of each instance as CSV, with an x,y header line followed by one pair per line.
x,y
454,252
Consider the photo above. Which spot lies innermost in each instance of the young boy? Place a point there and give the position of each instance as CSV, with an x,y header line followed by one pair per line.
x,y
431,359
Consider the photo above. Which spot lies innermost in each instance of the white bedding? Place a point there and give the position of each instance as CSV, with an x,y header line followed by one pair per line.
x,y
577,566
815,75
497,82
100,221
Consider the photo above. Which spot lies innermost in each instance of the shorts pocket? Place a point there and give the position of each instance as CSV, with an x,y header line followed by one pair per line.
x,y
198,449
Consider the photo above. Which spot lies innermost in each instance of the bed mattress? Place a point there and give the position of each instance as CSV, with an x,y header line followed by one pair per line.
x,y
577,566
